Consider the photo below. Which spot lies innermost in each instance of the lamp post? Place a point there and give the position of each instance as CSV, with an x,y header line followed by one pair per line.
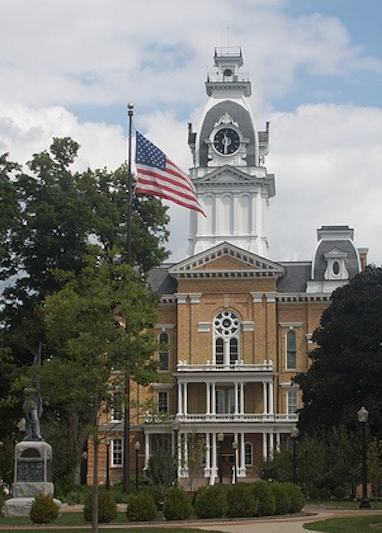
x,y
363,415
235,446
220,437
137,447
294,433
107,442
176,427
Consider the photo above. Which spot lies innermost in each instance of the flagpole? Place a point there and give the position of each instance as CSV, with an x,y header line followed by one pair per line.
x,y
126,422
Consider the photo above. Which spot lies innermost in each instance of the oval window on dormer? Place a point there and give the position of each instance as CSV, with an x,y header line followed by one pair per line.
x,y
336,268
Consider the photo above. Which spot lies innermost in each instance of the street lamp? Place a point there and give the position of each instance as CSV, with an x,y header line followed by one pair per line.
x,y
107,442
220,439
363,415
294,433
176,428
137,447
235,446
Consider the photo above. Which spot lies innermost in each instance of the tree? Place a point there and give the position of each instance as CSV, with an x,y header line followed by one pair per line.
x,y
85,324
347,363
374,465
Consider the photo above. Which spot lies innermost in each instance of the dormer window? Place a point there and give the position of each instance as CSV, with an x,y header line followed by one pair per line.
x,y
336,265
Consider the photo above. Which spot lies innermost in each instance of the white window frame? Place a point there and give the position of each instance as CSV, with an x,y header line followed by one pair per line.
x,y
162,411
118,451
231,332
245,453
167,352
287,350
290,403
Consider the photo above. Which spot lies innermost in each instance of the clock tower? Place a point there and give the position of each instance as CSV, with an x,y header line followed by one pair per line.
x,y
231,181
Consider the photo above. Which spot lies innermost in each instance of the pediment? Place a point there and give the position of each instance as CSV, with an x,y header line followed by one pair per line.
x,y
226,260
226,174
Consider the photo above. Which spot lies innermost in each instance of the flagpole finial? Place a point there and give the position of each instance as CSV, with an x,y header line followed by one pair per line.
x,y
130,105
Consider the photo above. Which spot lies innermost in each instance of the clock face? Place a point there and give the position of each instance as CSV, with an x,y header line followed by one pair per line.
x,y
226,141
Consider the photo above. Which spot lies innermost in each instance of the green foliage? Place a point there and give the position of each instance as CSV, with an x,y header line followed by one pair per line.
x,y
283,501
211,502
75,495
340,492
141,507
348,359
107,508
241,501
297,499
374,464
3,498
43,510
177,505
156,494
161,471
264,494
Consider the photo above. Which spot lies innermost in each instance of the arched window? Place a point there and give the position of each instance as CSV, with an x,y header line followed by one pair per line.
x,y
163,352
227,337
248,454
291,359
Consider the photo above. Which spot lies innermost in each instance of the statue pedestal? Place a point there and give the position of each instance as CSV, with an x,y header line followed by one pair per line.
x,y
33,476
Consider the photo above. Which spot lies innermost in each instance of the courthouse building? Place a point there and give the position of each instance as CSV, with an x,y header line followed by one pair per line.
x,y
237,324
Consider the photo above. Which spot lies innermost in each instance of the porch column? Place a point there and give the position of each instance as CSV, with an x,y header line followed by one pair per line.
x,y
180,403
147,449
242,411
208,398
214,457
214,399
242,453
265,445
185,454
236,402
265,400
208,453
278,443
271,410
185,398
271,443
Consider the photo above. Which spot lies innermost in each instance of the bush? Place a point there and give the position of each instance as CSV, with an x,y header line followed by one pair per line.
x,y
43,510
177,505
141,507
340,492
76,495
211,502
297,499
3,498
156,493
280,492
241,501
265,497
324,493
314,493
107,508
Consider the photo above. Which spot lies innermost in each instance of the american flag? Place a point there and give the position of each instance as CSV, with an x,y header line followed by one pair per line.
x,y
158,176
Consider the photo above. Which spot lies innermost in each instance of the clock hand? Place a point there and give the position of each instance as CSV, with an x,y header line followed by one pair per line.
x,y
226,142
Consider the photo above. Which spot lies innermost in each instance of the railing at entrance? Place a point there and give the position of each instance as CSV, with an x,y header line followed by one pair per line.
x,y
267,366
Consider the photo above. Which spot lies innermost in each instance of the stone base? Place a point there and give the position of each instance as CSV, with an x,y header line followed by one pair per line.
x,y
29,489
21,506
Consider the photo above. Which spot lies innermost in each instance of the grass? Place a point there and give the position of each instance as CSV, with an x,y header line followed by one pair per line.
x,y
51,529
343,504
65,519
356,524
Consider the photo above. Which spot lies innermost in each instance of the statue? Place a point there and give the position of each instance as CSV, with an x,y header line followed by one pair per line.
x,y
33,409
32,406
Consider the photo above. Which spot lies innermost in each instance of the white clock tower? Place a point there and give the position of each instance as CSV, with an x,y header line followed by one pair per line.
x,y
231,181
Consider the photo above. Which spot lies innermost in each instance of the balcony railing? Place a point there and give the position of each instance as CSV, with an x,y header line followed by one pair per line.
x,y
183,366
247,418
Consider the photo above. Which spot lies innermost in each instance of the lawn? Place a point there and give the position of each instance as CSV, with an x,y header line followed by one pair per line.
x,y
343,504
356,524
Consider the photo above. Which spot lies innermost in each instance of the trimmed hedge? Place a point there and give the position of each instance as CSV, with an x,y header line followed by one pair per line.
x,y
297,499
266,498
141,507
107,508
283,501
177,505
241,501
43,510
211,502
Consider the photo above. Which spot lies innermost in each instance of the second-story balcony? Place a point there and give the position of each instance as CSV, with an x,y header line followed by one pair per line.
x,y
237,366
237,418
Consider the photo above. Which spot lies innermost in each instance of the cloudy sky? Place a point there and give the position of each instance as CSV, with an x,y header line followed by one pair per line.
x,y
69,67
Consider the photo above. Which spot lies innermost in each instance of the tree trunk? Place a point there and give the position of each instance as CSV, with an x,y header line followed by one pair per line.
x,y
95,473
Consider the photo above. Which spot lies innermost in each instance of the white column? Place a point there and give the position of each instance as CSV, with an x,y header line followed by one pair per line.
x,y
278,443
265,445
179,453
185,454
242,452
236,406
180,403
226,352
208,453
214,399
271,409
147,449
271,443
242,411
208,398
214,456
265,401
185,398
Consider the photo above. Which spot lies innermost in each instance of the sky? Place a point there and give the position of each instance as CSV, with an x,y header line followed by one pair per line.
x,y
70,67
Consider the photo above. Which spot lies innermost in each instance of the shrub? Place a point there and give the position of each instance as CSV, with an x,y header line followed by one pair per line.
x,y
340,492
211,502
156,493
266,498
177,505
141,507
241,500
297,499
324,493
283,503
314,493
3,497
75,495
43,510
107,508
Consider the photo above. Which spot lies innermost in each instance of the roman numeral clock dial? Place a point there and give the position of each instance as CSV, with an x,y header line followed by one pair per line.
x,y
226,141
